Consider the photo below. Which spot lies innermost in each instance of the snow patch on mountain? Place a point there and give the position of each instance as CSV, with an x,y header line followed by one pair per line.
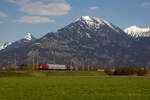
x,y
135,31
29,36
5,45
96,22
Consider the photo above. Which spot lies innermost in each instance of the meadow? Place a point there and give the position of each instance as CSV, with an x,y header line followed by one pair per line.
x,y
72,86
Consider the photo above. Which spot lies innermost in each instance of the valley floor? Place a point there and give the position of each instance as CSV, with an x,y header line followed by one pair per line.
x,y
72,86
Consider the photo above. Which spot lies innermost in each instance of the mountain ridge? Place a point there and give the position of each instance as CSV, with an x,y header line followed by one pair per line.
x,y
136,32
27,39
81,43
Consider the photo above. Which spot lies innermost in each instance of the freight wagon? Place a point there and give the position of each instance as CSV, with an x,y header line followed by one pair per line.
x,y
52,67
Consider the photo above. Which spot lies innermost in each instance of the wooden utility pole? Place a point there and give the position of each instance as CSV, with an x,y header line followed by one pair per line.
x,y
8,62
37,59
88,65
15,61
54,57
33,60
71,66
83,64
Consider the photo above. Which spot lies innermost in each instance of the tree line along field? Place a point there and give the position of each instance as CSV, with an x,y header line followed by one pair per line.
x,y
72,86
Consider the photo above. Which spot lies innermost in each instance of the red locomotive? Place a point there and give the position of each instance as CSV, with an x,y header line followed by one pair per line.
x,y
43,67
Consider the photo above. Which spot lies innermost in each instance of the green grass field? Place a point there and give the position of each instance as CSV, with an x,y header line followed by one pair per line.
x,y
72,86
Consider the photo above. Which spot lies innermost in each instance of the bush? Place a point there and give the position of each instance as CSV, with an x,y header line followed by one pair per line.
x,y
125,71
142,71
108,71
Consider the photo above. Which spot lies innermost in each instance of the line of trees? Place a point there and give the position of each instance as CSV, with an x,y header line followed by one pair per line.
x,y
140,71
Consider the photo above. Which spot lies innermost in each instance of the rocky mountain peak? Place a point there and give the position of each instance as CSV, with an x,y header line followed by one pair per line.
x,y
29,36
96,23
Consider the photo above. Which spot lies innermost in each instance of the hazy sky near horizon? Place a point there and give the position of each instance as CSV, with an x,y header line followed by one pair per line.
x,y
18,17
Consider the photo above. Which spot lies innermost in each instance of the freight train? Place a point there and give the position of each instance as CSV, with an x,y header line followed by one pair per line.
x,y
53,67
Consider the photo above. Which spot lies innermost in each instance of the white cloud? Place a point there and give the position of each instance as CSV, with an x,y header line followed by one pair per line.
x,y
43,7
2,14
11,1
33,19
145,4
93,7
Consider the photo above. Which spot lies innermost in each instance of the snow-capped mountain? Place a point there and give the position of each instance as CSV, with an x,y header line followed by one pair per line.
x,y
87,26
96,23
27,39
135,31
86,40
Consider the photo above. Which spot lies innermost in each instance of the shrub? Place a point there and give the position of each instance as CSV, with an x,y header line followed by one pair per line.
x,y
142,71
108,71
125,71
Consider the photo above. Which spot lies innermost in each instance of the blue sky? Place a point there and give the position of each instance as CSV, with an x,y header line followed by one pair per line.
x,y
18,17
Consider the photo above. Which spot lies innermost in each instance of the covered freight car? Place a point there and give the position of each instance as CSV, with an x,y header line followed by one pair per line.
x,y
52,67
